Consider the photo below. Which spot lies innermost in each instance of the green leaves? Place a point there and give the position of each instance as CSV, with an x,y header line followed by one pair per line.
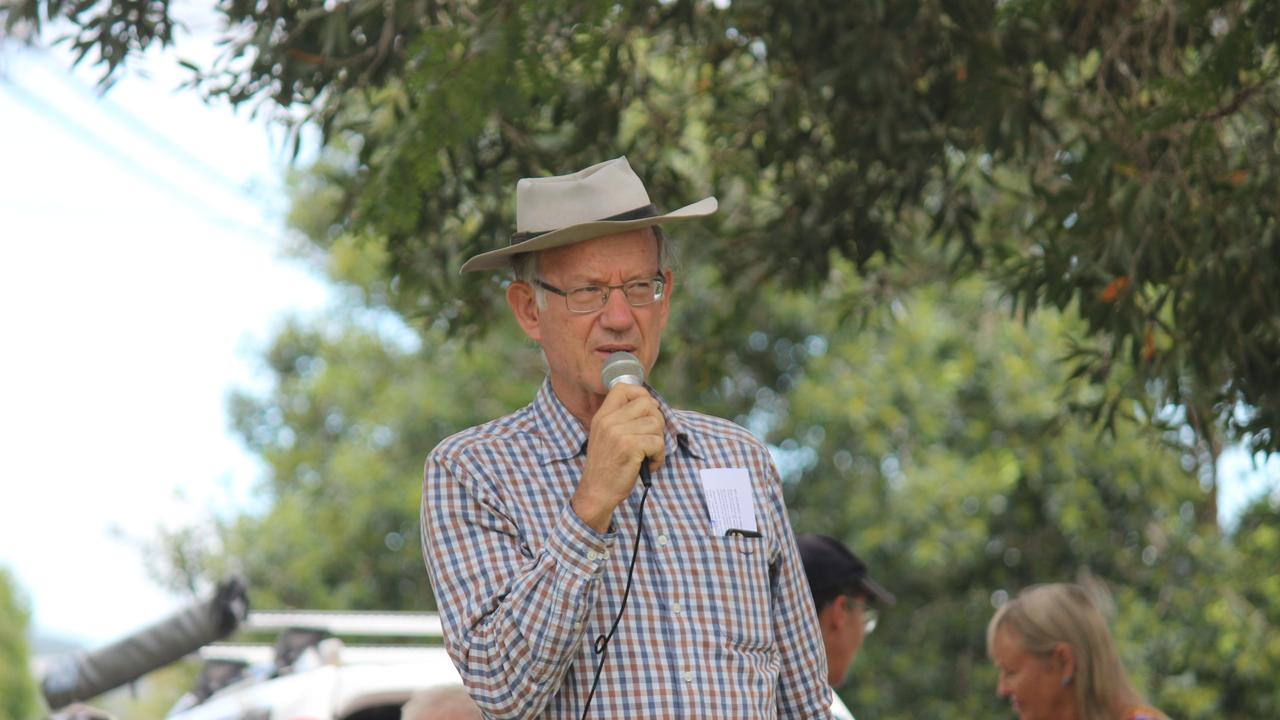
x,y
17,688
1130,141
958,242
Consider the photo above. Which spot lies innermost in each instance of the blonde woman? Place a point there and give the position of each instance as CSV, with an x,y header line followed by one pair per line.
x,y
1056,659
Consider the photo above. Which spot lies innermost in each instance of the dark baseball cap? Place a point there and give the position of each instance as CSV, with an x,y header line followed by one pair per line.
x,y
833,570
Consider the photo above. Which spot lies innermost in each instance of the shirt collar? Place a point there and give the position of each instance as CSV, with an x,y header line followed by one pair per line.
x,y
563,437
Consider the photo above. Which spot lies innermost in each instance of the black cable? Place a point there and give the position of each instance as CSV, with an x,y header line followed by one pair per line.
x,y
602,641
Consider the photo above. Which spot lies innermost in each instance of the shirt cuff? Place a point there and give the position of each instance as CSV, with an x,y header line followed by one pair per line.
x,y
575,545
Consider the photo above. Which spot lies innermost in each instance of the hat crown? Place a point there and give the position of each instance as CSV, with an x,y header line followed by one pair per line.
x,y
601,191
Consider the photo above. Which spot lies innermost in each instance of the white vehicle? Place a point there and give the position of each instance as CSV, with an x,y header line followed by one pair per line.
x,y
306,668
313,672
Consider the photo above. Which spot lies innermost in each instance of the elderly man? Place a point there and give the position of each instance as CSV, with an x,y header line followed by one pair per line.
x,y
538,537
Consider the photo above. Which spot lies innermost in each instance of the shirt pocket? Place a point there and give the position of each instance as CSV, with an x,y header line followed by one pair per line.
x,y
743,596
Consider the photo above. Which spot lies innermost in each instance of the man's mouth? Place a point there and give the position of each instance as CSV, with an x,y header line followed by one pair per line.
x,y
607,350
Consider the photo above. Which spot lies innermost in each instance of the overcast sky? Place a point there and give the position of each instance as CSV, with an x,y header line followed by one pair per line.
x,y
141,271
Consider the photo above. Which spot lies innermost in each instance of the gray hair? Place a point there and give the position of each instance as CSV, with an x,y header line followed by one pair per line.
x,y
524,266
1044,616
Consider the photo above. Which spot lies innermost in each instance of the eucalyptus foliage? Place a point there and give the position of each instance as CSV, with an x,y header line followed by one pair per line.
x,y
1117,159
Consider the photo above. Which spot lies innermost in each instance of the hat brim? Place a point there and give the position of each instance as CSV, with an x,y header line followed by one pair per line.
x,y
498,259
876,592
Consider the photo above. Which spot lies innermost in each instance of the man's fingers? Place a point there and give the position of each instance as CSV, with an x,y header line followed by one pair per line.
x,y
646,446
639,425
629,427
635,438
623,393
638,420
658,457
624,405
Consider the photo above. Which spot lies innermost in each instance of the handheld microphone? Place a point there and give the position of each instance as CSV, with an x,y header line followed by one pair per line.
x,y
623,367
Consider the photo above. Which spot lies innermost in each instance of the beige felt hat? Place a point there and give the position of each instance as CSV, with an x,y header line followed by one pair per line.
x,y
601,200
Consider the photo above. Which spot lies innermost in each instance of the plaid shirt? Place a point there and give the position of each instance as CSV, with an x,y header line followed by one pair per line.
x,y
716,627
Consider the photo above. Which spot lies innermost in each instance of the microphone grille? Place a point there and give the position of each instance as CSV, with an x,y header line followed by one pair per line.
x,y
622,367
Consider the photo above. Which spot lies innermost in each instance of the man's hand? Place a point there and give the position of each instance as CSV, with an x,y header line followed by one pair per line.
x,y
626,429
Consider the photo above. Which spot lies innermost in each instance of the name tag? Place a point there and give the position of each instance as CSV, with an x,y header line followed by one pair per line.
x,y
730,501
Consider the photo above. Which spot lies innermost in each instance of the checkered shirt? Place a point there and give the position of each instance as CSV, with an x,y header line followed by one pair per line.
x,y
716,627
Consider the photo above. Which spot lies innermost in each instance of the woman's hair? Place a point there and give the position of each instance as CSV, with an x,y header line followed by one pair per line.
x,y
1042,616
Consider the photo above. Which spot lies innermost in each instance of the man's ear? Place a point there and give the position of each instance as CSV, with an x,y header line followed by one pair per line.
x,y
836,613
664,308
524,305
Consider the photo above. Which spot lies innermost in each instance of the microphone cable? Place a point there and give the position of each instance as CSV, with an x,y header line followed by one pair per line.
x,y
602,641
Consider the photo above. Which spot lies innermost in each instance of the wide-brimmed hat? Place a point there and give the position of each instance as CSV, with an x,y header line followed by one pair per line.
x,y
603,199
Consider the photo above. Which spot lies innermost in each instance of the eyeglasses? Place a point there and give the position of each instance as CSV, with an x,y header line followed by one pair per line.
x,y
869,615
590,298
869,620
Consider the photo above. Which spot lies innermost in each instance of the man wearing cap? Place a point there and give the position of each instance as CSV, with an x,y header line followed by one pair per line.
x,y
842,595
529,521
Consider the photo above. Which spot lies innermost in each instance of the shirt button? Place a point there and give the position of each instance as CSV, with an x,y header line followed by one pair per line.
x,y
677,608
662,540
687,676
592,556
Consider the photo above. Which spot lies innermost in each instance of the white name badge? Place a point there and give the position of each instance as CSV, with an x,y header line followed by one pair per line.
x,y
730,501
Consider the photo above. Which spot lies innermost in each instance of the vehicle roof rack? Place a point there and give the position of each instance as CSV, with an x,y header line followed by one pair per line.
x,y
401,634
347,622
264,654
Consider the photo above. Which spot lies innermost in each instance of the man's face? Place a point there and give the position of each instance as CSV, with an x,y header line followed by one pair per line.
x,y
576,345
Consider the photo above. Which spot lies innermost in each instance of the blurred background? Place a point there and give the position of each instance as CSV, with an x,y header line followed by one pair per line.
x,y
999,283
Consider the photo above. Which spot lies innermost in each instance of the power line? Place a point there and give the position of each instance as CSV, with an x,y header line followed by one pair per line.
x,y
141,129
104,147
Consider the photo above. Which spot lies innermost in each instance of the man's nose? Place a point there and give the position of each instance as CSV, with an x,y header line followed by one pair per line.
x,y
617,313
